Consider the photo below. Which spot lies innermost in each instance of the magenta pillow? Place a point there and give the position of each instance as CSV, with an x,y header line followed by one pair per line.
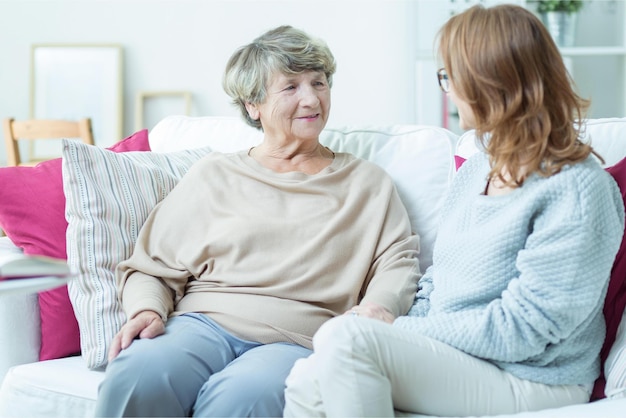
x,y
458,161
615,301
32,214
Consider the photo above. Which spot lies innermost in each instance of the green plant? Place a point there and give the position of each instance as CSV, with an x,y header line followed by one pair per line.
x,y
569,6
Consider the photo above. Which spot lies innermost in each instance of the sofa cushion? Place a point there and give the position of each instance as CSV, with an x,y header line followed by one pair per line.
x,y
109,196
32,215
608,137
54,388
418,159
615,365
224,134
614,305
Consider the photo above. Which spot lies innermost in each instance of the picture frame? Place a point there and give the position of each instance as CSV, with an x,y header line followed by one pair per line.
x,y
152,106
74,81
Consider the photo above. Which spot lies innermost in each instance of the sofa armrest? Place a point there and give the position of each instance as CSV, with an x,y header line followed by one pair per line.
x,y
20,332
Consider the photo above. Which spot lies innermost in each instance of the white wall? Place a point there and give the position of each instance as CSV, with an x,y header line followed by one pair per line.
x,y
599,76
184,45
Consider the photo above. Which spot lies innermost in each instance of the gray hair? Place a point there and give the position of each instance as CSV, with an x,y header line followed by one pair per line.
x,y
283,50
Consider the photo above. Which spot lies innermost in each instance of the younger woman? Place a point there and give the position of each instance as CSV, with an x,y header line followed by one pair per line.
x,y
509,316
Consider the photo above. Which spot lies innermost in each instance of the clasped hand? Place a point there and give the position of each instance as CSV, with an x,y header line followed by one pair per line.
x,y
371,310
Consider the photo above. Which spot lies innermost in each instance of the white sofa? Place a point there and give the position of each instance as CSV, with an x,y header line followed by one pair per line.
x,y
421,159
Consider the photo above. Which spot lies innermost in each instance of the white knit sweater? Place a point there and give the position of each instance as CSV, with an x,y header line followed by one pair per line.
x,y
520,279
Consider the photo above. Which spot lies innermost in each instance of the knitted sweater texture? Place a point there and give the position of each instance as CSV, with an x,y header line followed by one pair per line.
x,y
271,256
520,279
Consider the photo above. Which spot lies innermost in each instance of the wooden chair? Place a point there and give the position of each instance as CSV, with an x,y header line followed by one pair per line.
x,y
42,129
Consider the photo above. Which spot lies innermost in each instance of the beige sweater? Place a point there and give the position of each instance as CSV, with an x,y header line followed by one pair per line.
x,y
271,256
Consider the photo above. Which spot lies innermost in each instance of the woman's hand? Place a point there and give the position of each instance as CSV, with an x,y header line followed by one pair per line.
x,y
372,310
146,324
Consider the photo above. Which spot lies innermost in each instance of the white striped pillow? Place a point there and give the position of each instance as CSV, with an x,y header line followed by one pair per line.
x,y
108,197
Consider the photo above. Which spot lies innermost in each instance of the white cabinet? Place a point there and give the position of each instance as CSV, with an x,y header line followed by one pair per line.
x,y
597,63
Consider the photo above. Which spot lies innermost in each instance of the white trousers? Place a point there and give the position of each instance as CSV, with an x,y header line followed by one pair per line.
x,y
364,367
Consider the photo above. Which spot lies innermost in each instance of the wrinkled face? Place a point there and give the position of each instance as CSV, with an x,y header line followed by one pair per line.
x,y
296,106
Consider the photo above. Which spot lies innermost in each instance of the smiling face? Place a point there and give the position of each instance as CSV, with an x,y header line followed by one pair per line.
x,y
296,106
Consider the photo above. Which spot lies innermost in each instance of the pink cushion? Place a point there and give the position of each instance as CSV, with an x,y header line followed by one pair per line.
x,y
615,301
32,214
458,161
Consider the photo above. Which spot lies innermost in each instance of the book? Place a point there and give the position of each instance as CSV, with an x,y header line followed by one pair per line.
x,y
18,266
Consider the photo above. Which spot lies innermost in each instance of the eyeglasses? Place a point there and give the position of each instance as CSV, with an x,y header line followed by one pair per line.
x,y
444,81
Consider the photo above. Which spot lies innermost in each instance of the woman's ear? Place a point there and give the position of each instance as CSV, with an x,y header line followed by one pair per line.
x,y
253,111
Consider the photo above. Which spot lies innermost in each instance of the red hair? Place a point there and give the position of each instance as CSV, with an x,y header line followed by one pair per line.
x,y
503,62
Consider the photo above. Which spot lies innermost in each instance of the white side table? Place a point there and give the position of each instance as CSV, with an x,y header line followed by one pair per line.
x,y
20,328
31,284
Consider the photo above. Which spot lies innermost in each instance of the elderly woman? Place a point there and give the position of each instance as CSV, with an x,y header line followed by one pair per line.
x,y
509,316
237,268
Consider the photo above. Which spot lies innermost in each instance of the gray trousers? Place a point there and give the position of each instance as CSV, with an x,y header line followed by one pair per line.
x,y
197,369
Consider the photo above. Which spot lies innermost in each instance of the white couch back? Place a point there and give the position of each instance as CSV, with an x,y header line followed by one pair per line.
x,y
608,138
418,158
606,135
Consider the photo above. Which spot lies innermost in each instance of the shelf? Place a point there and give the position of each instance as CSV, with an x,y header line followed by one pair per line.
x,y
598,68
593,51
31,285
577,51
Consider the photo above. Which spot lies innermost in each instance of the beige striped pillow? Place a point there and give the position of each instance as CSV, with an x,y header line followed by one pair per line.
x,y
109,195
